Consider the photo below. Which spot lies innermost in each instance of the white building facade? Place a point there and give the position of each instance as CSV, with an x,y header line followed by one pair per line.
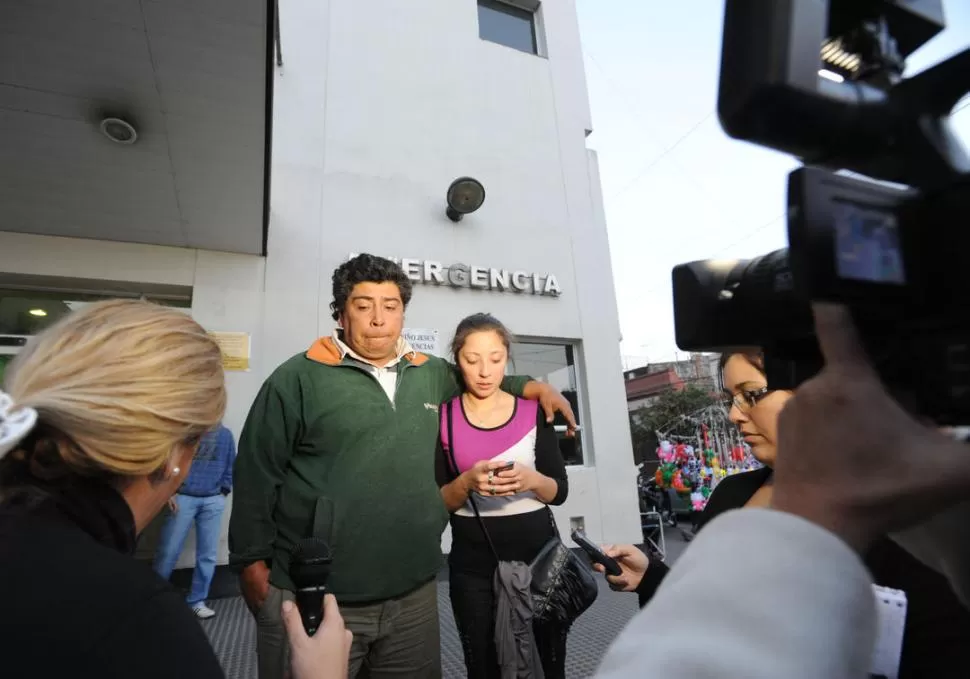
x,y
377,108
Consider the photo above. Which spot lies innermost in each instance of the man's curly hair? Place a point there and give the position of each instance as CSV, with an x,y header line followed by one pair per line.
x,y
366,269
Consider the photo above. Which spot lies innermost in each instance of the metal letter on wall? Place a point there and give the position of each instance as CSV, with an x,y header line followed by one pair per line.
x,y
552,286
520,281
458,275
479,278
433,272
499,279
412,269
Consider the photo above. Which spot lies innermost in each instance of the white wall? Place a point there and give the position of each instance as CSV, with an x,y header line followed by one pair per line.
x,y
379,106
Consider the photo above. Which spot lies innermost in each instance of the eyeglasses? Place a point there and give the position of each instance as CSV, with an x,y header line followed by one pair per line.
x,y
746,399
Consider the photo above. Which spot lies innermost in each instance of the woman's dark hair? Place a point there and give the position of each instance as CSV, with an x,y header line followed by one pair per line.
x,y
479,323
366,269
754,356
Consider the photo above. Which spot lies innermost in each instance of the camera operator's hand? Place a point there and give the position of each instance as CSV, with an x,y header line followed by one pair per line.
x,y
850,458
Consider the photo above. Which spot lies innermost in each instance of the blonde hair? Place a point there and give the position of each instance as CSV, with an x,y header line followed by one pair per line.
x,y
117,386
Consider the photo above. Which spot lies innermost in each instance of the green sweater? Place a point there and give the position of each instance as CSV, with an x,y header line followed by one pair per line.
x,y
324,453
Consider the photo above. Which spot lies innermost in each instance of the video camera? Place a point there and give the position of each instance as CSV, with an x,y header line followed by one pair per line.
x,y
824,82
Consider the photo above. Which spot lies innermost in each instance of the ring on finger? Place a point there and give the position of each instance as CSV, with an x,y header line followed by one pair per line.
x,y
491,490
491,475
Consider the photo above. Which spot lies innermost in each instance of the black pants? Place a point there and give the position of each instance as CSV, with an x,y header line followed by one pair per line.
x,y
473,603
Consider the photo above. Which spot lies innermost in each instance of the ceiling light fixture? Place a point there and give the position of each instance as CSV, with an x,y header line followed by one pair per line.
x,y
119,131
831,75
838,59
465,195
37,312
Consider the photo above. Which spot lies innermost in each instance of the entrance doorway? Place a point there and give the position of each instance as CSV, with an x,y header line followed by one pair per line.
x,y
29,304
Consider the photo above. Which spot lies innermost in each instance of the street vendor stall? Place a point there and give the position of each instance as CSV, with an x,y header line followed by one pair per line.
x,y
692,466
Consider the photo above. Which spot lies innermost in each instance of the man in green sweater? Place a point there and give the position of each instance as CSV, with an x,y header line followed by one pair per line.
x,y
339,444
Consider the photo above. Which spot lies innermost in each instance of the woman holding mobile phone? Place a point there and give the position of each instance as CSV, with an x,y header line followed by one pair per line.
x,y
508,456
937,628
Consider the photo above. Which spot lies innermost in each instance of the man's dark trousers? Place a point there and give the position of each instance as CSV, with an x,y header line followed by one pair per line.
x,y
397,638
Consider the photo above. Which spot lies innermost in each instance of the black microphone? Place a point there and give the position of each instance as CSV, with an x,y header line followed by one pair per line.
x,y
309,570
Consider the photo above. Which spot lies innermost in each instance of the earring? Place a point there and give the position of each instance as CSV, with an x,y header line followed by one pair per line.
x,y
175,471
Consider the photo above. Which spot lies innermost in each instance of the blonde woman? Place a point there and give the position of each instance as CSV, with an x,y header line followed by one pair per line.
x,y
98,426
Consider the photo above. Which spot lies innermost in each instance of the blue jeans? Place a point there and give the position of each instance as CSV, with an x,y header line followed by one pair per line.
x,y
206,514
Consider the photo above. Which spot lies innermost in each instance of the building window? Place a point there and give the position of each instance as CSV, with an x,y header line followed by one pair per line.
x,y
29,311
512,24
29,304
554,364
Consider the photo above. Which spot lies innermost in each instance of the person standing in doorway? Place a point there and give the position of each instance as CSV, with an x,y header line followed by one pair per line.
x,y
340,445
199,501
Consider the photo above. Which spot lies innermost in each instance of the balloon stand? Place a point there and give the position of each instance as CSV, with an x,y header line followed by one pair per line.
x,y
692,466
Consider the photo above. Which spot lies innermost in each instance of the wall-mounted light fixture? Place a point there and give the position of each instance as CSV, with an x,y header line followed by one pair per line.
x,y
465,195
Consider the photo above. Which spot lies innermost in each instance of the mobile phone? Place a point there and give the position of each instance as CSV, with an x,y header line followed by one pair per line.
x,y
596,554
504,468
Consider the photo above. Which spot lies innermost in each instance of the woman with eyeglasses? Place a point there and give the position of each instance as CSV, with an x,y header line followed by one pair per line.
x,y
937,626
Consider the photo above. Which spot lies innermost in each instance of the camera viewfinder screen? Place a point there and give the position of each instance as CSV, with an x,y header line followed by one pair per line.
x,y
867,245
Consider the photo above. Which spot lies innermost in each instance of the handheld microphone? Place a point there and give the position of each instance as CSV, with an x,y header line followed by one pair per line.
x,y
309,570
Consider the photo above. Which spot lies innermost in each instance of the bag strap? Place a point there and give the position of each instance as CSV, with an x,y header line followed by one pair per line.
x,y
555,526
454,464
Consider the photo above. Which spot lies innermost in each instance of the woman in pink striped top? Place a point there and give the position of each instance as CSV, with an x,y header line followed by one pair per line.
x,y
508,456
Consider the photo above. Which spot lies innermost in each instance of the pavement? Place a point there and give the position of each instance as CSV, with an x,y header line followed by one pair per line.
x,y
232,631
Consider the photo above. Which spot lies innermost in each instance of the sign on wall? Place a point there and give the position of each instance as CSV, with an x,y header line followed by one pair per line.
x,y
478,277
424,340
235,348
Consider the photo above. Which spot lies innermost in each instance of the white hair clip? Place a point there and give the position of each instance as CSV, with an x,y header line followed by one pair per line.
x,y
14,426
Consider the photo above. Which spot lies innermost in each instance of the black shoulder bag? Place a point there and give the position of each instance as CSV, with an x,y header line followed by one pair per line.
x,y
563,587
